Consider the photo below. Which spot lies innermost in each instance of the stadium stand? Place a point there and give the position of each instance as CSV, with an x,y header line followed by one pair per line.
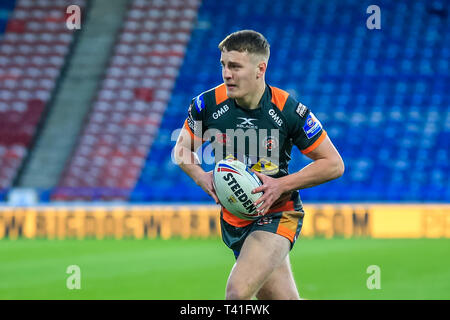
x,y
127,111
382,94
32,53
71,103
6,9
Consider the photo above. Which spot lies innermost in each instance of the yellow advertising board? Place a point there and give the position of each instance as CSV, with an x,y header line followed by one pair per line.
x,y
324,220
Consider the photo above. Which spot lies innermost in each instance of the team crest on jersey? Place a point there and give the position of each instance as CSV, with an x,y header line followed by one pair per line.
x,y
223,138
270,143
312,126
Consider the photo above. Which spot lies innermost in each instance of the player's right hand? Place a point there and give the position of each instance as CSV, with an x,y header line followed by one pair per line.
x,y
205,181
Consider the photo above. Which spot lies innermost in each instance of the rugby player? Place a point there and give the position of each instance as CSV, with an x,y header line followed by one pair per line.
x,y
245,101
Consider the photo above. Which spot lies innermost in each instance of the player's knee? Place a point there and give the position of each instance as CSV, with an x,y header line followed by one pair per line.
x,y
236,292
264,294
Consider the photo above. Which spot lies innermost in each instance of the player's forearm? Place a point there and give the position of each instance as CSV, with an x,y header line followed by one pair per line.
x,y
189,163
317,172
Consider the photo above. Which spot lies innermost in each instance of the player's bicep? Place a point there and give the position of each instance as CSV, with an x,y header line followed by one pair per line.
x,y
324,150
187,139
190,136
185,148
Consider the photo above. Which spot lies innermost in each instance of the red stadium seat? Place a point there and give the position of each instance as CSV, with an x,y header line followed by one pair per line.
x,y
127,111
32,52
16,26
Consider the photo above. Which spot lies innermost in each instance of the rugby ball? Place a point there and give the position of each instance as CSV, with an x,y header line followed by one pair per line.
x,y
234,183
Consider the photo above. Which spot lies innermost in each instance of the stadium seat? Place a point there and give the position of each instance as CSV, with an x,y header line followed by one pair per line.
x,y
32,53
127,112
382,95
379,95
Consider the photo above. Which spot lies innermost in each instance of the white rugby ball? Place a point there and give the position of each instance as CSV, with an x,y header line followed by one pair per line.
x,y
234,183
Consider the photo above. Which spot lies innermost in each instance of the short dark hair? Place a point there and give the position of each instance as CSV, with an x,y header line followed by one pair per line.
x,y
246,40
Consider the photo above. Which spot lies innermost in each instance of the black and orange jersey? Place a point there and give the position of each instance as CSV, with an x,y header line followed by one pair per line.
x,y
262,138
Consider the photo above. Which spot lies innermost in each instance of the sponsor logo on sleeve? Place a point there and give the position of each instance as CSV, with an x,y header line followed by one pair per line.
x,y
312,126
301,109
199,103
190,120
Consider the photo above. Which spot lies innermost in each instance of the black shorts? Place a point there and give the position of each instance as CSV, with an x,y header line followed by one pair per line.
x,y
286,223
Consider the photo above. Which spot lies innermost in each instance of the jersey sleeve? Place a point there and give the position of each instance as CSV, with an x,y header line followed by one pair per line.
x,y
305,130
194,121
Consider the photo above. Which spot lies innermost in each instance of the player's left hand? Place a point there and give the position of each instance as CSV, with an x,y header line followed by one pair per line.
x,y
272,189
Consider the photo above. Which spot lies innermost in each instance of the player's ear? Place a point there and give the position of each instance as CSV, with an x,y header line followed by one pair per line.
x,y
262,67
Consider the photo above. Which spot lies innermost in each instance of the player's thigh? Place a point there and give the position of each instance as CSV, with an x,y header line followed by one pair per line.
x,y
280,285
261,253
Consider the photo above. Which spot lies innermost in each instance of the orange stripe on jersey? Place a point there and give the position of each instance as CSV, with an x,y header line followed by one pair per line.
x,y
316,143
279,97
238,222
221,93
193,136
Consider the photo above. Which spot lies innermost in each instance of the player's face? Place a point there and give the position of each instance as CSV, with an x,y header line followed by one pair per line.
x,y
239,73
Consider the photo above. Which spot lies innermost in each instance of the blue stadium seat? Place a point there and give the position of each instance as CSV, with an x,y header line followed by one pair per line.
x,y
6,8
382,96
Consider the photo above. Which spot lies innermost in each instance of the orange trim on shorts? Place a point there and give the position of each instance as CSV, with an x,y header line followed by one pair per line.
x,y
238,222
221,93
316,143
279,97
285,232
193,136
287,226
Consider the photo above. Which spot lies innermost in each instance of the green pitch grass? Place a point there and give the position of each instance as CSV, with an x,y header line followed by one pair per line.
x,y
198,269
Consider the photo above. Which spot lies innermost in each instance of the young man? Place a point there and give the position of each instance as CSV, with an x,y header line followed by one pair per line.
x,y
245,102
